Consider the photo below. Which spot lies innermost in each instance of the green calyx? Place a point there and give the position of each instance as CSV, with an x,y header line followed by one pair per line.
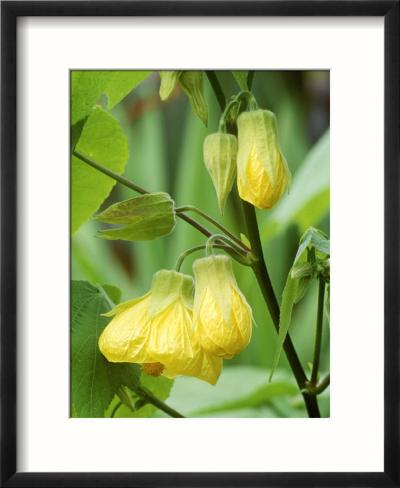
x,y
167,287
219,153
244,100
192,84
169,79
141,218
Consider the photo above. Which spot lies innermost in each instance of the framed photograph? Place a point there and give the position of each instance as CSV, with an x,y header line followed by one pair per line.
x,y
199,267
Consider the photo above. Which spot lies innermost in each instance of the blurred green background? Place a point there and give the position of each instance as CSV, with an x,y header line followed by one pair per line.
x,y
165,147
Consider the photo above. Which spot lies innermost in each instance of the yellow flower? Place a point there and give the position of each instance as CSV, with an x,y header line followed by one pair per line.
x,y
222,316
263,174
156,330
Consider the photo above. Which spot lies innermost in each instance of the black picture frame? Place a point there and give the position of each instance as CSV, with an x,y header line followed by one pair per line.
x,y
10,11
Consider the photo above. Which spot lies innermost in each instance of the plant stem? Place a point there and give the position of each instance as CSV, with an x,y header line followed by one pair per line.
x,y
264,281
250,78
191,208
187,253
219,94
110,173
129,184
115,409
323,385
149,398
318,332
223,238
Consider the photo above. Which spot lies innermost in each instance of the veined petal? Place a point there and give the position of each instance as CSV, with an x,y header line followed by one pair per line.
x,y
169,335
263,173
203,365
125,338
222,316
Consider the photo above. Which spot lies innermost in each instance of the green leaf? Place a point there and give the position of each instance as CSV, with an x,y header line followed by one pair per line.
x,y
76,131
308,199
297,282
88,87
102,140
113,293
289,298
314,239
196,398
241,79
192,84
145,217
93,379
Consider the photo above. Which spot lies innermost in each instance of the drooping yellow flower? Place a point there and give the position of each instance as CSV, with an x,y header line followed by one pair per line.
x,y
222,316
156,330
263,173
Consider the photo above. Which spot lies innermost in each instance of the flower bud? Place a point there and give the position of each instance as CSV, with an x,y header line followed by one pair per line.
x,y
222,316
263,174
192,84
156,331
168,83
219,153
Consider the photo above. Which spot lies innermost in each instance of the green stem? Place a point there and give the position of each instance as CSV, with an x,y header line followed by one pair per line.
x,y
250,78
148,397
115,409
110,173
129,184
318,332
264,281
323,385
220,237
219,94
191,208
190,251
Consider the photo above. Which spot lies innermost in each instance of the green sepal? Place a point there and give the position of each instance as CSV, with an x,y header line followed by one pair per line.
x,y
219,154
192,84
142,218
121,307
168,83
167,287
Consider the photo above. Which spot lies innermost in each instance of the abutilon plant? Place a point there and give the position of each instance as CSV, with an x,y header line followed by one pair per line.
x,y
189,324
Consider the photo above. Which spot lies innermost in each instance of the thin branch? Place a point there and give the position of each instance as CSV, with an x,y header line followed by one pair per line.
x,y
148,397
219,94
115,409
191,208
323,385
318,332
264,281
130,184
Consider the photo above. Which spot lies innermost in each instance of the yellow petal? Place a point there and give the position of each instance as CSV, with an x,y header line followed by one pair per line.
x,y
203,365
169,334
221,338
125,338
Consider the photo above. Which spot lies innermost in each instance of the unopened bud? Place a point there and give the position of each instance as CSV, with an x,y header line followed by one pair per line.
x,y
169,80
192,84
219,152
